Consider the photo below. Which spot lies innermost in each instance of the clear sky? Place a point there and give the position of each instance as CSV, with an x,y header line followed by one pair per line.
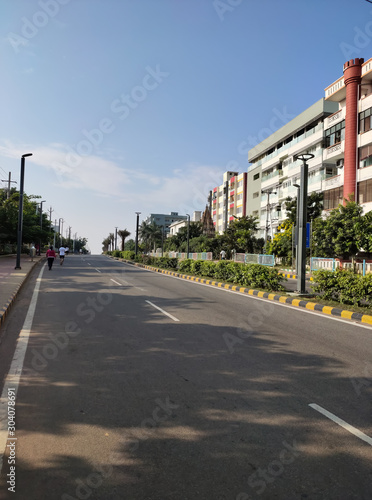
x,y
141,105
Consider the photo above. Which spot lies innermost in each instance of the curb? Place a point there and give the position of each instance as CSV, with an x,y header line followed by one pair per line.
x,y
312,306
294,276
5,310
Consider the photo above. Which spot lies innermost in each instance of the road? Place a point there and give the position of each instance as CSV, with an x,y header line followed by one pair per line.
x,y
138,385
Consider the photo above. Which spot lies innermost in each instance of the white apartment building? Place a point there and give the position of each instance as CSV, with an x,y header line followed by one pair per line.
x,y
229,200
274,160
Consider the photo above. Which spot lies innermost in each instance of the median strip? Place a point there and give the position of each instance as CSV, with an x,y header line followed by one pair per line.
x,y
332,311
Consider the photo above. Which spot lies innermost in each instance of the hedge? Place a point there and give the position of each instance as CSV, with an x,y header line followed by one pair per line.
x,y
344,286
247,275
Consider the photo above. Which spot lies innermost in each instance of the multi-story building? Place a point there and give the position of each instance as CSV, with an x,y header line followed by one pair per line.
x,y
274,160
229,200
165,220
348,136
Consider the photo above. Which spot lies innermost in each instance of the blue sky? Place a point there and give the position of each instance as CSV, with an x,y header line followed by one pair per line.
x,y
141,105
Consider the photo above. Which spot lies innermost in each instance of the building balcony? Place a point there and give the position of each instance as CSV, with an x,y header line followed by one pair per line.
x,y
335,118
333,182
334,152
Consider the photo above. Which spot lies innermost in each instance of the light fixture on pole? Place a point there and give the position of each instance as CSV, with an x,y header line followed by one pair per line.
x,y
41,223
188,235
20,211
137,225
302,220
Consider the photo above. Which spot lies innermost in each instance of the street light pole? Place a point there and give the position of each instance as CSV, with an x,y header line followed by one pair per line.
x,y
188,235
20,212
116,237
41,223
268,214
297,219
302,220
137,225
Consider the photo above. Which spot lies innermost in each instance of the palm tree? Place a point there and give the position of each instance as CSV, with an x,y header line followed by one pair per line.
x,y
123,233
112,240
106,242
150,233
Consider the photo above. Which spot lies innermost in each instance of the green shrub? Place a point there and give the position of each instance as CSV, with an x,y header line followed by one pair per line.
x,y
116,253
207,269
343,286
128,255
258,276
184,266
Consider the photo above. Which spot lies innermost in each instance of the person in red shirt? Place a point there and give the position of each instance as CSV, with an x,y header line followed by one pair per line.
x,y
51,255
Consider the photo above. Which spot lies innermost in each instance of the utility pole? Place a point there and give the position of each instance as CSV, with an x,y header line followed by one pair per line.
x,y
8,181
137,229
50,214
54,237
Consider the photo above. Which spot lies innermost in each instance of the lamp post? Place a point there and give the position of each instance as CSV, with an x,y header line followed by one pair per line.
x,y
188,235
302,220
41,223
20,211
59,230
268,214
116,238
297,216
137,224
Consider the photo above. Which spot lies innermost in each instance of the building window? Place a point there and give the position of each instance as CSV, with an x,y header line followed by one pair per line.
x,y
365,191
335,134
256,176
256,195
365,121
365,156
333,198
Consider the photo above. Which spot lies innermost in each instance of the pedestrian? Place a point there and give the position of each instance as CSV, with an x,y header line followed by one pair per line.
x,y
62,252
51,254
223,254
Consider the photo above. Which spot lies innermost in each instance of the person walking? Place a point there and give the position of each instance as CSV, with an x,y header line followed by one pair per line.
x,y
223,254
62,252
51,255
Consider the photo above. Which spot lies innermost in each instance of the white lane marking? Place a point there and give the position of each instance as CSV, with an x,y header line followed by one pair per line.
x,y
116,282
98,271
13,377
162,310
89,264
342,423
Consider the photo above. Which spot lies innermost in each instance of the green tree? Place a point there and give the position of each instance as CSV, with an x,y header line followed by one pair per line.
x,y
340,233
151,235
281,244
123,233
240,235
314,207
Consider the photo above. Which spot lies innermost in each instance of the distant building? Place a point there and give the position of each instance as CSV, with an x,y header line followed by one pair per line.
x,y
176,226
229,200
165,220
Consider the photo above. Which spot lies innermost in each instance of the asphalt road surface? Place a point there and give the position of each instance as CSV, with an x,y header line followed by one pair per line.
x,y
138,385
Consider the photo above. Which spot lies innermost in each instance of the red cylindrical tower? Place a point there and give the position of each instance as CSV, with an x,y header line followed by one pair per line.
x,y
352,79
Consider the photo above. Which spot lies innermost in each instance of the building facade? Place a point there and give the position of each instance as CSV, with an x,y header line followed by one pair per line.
x,y
229,200
274,160
165,220
348,136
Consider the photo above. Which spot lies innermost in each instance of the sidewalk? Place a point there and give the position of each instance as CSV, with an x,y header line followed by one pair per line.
x,y
11,280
